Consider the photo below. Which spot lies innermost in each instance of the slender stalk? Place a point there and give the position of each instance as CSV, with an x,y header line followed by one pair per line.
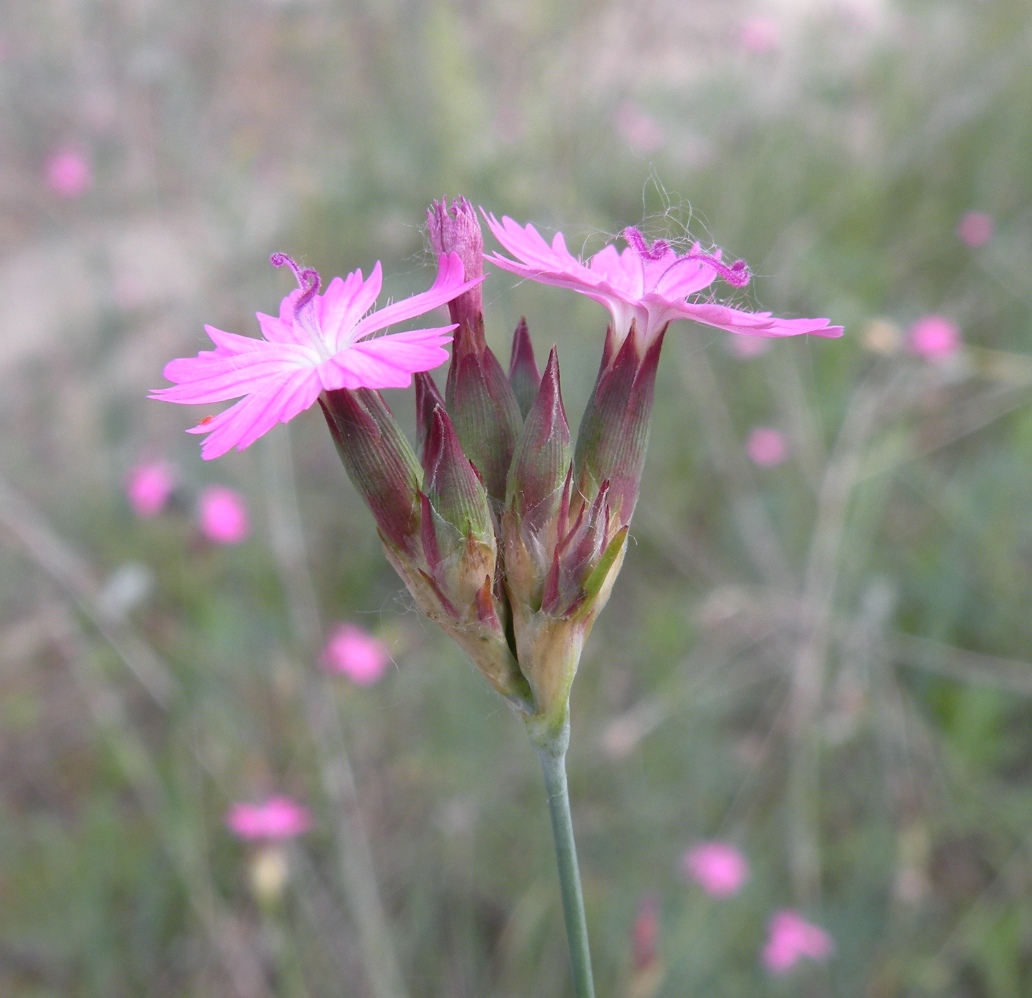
x,y
358,874
553,765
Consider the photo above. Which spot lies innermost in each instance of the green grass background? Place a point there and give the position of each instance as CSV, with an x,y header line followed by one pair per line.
x,y
827,663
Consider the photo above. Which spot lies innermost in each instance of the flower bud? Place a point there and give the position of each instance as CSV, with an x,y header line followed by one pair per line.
x,y
452,485
614,431
483,408
378,460
542,458
457,230
524,375
427,399
535,493
585,561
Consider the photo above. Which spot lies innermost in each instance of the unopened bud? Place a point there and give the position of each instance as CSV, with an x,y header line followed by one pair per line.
x,y
484,410
524,375
452,485
457,230
379,461
427,399
542,458
614,432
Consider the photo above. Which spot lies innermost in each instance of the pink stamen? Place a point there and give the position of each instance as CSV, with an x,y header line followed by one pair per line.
x,y
309,281
636,240
737,275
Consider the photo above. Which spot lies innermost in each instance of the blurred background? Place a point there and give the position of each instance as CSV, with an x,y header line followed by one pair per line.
x,y
820,647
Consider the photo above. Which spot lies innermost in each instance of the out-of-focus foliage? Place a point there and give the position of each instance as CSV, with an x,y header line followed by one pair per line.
x,y
827,662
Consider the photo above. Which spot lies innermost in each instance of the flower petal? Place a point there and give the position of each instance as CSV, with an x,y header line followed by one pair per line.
x,y
646,284
448,284
241,424
214,377
344,304
386,361
736,320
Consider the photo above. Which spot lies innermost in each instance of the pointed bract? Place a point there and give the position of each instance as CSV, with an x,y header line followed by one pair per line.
x,y
451,484
524,375
614,431
378,460
542,457
428,398
484,410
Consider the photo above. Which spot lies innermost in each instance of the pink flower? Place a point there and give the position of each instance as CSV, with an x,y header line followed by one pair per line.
x,y
975,229
645,934
277,818
759,34
766,447
933,337
222,514
790,938
68,172
356,654
747,347
717,867
647,285
641,131
318,342
149,486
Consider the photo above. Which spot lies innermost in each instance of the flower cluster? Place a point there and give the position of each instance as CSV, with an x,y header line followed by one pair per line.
x,y
506,533
721,870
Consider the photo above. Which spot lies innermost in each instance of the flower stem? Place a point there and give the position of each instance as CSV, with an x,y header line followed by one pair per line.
x,y
553,765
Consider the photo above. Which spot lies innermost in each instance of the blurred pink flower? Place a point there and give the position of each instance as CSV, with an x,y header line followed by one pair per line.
x,y
356,654
222,515
645,284
933,337
277,818
318,343
645,934
746,347
790,938
766,446
759,34
717,867
68,172
149,486
975,229
641,131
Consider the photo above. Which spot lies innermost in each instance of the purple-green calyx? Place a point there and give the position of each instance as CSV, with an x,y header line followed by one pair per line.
x,y
503,537
507,534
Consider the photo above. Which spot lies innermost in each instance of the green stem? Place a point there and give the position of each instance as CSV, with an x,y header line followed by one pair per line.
x,y
553,764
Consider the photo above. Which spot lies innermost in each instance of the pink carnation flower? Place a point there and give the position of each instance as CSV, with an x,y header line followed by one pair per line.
x,y
222,515
759,34
149,486
69,173
747,347
717,867
356,654
766,447
318,343
649,285
975,229
642,132
933,337
277,818
645,934
790,938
